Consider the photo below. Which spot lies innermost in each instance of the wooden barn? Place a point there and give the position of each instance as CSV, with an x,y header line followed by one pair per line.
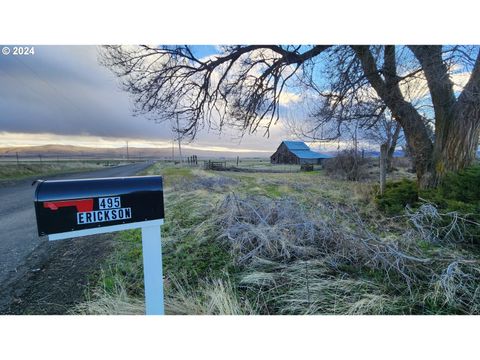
x,y
296,152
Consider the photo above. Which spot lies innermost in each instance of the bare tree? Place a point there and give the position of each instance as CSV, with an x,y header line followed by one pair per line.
x,y
242,87
388,132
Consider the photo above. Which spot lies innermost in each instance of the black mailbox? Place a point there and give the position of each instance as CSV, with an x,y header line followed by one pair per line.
x,y
70,205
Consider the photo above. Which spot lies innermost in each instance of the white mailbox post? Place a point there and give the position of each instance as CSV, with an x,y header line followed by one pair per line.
x,y
73,208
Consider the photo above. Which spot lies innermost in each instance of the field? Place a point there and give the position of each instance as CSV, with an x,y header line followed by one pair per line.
x,y
10,170
292,243
257,164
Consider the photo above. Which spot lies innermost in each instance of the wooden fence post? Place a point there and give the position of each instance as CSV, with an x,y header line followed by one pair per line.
x,y
383,168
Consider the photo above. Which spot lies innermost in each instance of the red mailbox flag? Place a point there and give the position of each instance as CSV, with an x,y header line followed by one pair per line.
x,y
82,205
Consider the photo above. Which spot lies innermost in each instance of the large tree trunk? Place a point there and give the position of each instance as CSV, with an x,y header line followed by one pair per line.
x,y
458,146
391,147
454,149
457,121
419,142
404,112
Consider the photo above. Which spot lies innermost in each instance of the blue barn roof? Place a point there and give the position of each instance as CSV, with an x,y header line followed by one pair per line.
x,y
309,154
296,145
302,151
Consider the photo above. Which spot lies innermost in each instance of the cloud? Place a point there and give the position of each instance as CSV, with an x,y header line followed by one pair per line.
x,y
63,93
63,90
286,98
21,139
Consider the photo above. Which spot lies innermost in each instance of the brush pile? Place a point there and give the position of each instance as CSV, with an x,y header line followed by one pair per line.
x,y
326,259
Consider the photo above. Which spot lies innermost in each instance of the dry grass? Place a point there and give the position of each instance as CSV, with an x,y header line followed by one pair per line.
x,y
312,287
13,171
327,259
301,244
284,230
214,297
436,227
118,302
211,297
458,287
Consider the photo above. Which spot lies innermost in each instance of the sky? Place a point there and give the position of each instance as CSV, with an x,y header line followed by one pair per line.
x,y
62,95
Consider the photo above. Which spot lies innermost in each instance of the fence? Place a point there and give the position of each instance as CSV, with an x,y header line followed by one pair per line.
x,y
215,165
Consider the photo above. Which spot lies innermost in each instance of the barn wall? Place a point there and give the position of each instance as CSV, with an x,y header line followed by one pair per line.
x,y
318,161
309,161
283,156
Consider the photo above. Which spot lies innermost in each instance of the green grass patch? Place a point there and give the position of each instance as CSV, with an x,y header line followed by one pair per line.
x,y
177,171
125,266
190,249
194,260
172,174
273,191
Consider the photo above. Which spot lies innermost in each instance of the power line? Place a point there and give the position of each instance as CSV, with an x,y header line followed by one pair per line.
x,y
53,87
39,94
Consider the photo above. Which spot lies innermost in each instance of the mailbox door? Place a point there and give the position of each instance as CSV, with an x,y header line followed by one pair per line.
x,y
104,202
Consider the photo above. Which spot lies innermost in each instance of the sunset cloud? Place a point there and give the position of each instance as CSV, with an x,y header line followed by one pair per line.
x,y
63,95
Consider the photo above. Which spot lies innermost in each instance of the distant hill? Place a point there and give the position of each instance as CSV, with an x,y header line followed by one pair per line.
x,y
70,151
367,153
372,153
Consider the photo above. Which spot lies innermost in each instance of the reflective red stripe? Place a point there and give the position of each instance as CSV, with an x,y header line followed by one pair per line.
x,y
82,205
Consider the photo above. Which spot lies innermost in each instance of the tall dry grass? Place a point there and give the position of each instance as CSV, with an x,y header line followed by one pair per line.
x,y
322,250
108,302
326,259
210,297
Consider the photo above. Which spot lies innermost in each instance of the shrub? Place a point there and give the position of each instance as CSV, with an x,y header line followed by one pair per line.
x,y
397,196
434,226
462,186
459,193
326,260
456,198
346,165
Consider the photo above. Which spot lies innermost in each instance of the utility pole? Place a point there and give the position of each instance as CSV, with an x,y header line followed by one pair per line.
x,y
127,152
173,150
